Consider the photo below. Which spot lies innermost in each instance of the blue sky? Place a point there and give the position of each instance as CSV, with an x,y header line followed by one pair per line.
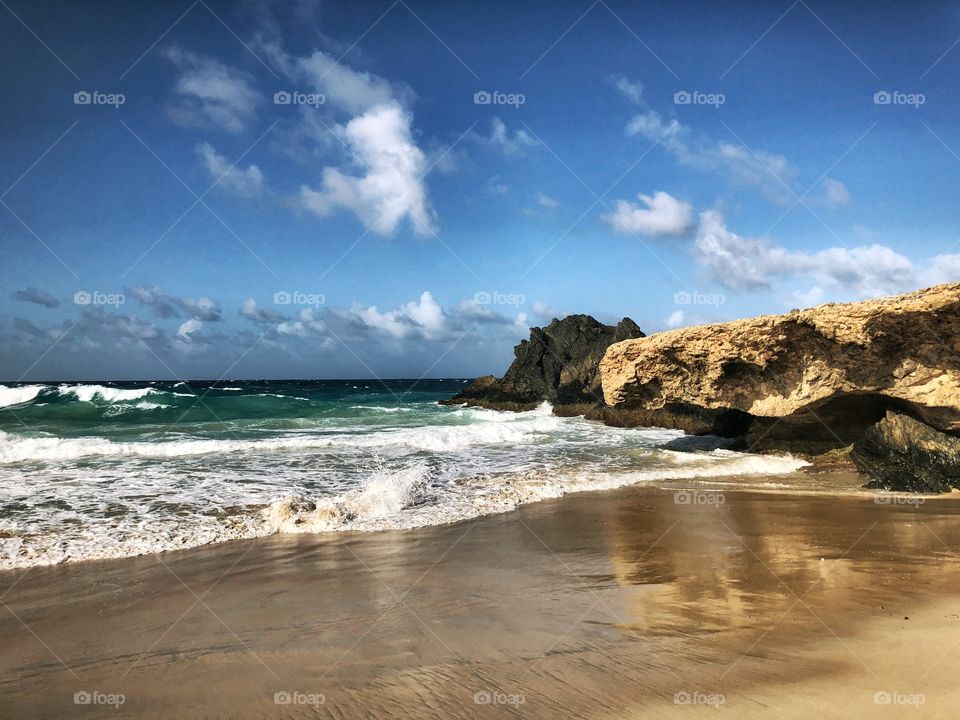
x,y
677,163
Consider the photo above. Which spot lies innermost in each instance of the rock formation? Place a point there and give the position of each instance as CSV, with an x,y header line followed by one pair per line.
x,y
901,453
808,380
559,363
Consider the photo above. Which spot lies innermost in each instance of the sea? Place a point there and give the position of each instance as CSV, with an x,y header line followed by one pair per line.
x,y
114,469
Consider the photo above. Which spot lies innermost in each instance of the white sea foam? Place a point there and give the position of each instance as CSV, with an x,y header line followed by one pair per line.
x,y
88,393
18,395
16,448
380,408
384,501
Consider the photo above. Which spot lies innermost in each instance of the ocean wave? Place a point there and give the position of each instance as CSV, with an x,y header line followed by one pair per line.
x,y
17,448
383,495
380,408
10,396
391,500
90,393
397,498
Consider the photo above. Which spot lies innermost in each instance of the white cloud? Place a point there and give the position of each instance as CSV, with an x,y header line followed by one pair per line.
x,y
510,144
743,263
245,183
632,91
188,328
676,319
391,188
209,92
663,215
351,90
834,193
382,179
944,268
424,317
814,296
261,316
767,172
546,201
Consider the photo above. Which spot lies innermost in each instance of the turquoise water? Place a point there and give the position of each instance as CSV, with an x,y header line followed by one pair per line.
x,y
93,470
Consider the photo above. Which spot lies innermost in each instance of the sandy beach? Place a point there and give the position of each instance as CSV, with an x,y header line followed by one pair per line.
x,y
625,603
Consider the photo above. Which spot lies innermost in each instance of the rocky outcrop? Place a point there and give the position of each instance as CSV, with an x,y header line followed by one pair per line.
x,y
559,363
809,380
901,453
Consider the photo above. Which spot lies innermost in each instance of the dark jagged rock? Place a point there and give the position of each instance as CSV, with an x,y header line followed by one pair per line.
x,y
901,453
692,419
559,363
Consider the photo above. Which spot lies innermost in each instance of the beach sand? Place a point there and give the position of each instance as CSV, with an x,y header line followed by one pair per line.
x,y
615,604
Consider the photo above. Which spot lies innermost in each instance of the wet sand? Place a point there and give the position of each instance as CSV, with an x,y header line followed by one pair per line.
x,y
616,604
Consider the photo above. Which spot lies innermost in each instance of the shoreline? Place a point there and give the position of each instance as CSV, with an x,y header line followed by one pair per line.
x,y
847,484
602,603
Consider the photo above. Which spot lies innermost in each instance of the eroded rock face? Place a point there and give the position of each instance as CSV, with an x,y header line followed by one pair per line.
x,y
901,453
828,372
559,363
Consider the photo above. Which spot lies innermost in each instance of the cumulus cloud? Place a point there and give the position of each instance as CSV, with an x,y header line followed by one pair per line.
x,y
391,187
423,317
211,93
676,319
245,183
36,297
741,263
382,180
165,305
663,214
